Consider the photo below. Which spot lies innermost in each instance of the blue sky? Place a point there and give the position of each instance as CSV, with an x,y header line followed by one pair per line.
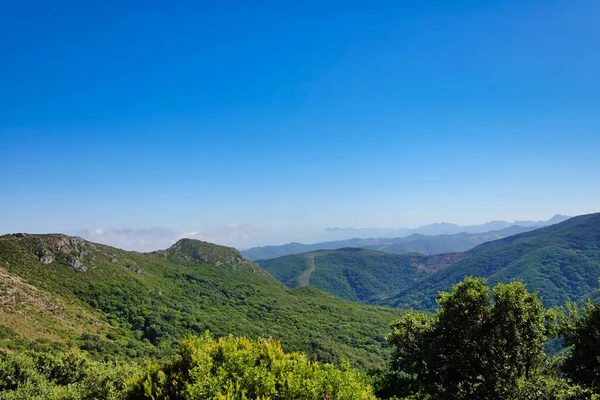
x,y
251,122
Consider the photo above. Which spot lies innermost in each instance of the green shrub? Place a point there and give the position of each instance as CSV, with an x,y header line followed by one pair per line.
x,y
61,375
6,332
241,368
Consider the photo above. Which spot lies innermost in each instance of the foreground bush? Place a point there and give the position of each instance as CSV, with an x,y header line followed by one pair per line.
x,y
65,376
240,368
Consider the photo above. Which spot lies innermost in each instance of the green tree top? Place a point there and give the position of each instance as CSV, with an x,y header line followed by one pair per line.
x,y
477,345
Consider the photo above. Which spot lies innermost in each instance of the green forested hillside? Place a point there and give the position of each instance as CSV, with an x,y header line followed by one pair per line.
x,y
478,344
128,304
354,274
561,262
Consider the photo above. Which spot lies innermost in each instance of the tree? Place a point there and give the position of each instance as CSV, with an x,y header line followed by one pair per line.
x,y
475,346
517,333
580,329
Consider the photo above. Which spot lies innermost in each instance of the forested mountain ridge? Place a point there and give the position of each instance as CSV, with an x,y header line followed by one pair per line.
x,y
353,273
141,304
413,243
560,261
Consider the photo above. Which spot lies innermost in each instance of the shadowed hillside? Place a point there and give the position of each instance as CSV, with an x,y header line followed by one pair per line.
x,y
561,262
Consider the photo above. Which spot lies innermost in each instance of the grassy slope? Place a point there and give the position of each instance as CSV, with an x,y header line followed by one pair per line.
x,y
561,261
153,300
35,313
304,277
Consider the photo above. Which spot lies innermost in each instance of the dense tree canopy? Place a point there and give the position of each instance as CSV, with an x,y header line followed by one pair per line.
x,y
580,329
64,375
478,346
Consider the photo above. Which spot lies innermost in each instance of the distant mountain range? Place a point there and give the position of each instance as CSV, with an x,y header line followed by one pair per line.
x,y
439,228
429,239
561,262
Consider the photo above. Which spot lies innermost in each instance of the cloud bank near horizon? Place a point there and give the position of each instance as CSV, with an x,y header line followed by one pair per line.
x,y
244,236
238,235
157,238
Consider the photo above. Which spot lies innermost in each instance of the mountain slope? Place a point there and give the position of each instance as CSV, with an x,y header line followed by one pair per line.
x,y
147,302
414,243
32,312
354,274
457,242
561,261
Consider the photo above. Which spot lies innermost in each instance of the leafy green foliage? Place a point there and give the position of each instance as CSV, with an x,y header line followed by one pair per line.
x,y
203,368
240,368
475,346
7,332
144,304
61,375
548,387
580,328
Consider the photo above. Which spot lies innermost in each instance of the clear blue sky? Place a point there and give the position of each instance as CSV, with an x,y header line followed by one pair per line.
x,y
279,117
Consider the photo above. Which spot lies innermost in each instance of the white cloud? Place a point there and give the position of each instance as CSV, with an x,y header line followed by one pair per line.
x,y
155,238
